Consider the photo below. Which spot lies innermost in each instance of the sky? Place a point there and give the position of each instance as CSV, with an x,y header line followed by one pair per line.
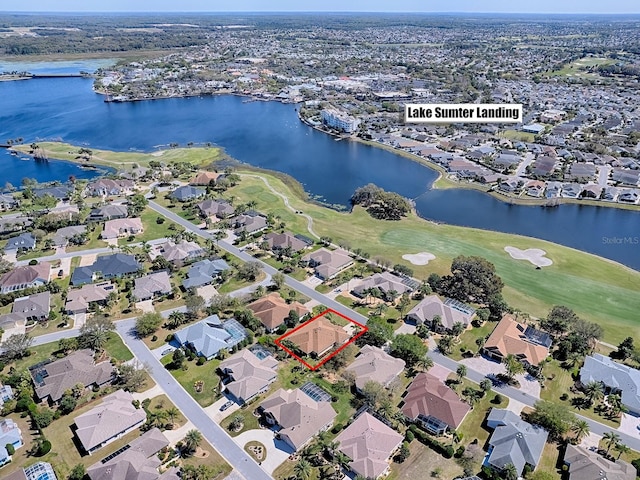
x,y
468,6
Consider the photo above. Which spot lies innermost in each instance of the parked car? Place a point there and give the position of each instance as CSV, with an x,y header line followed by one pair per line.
x,y
226,405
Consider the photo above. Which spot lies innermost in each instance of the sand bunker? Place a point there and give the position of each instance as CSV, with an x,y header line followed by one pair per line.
x,y
534,255
421,258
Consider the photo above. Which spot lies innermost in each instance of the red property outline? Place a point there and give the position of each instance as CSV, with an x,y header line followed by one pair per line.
x,y
363,329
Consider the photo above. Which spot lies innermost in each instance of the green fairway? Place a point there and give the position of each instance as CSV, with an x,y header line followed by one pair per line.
x,y
199,156
597,289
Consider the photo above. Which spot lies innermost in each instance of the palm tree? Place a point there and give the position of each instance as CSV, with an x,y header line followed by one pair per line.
x,y
176,319
509,472
192,440
594,391
512,366
425,363
622,448
158,418
381,308
461,372
303,469
172,413
612,439
581,430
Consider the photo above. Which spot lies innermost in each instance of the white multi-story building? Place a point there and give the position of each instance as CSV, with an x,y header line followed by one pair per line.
x,y
339,120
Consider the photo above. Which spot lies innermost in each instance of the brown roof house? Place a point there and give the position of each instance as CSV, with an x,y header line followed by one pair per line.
x,y
375,365
525,342
328,263
137,462
318,337
121,228
450,312
112,419
29,276
272,310
299,416
587,465
433,405
247,374
52,379
282,241
79,299
149,286
369,444
205,178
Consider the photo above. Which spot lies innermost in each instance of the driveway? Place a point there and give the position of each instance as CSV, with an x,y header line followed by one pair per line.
x,y
160,351
207,292
528,384
591,441
439,372
214,412
79,319
277,450
145,306
65,266
629,425
406,328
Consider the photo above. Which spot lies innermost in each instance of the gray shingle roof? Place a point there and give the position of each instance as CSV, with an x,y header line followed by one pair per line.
x,y
598,368
204,272
209,336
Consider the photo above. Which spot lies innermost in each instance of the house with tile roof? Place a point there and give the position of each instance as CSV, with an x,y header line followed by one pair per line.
x,y
369,444
432,405
246,375
272,310
510,337
204,178
250,222
373,364
298,416
514,442
615,377
52,379
112,419
318,337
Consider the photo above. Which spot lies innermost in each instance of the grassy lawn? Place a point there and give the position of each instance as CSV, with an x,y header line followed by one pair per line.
x,y
473,425
94,240
516,135
285,471
213,459
422,462
21,458
194,373
557,382
549,460
200,157
469,337
250,422
597,289
235,283
152,229
117,349
162,402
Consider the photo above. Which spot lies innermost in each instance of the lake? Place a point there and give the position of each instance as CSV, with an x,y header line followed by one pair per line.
x,y
269,135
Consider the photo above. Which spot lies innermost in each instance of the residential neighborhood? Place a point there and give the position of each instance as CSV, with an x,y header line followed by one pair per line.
x,y
197,298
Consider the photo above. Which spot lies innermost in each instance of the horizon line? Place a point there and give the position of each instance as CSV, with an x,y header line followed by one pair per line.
x,y
312,12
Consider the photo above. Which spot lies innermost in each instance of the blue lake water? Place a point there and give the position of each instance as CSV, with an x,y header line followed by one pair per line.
x,y
269,135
